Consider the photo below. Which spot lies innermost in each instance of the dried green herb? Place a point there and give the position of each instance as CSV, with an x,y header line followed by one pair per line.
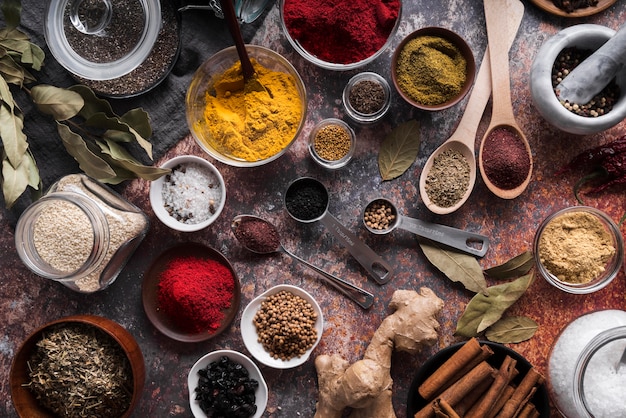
x,y
513,329
91,132
457,266
399,150
515,267
483,311
77,370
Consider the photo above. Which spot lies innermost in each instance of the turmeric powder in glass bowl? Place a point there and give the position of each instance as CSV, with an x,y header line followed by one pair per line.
x,y
578,249
241,126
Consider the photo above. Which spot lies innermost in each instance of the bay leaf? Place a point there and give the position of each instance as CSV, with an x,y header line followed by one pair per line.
x,y
513,329
93,104
100,120
399,150
34,179
457,266
92,164
515,267
62,104
482,311
12,72
12,134
139,120
122,158
11,10
14,180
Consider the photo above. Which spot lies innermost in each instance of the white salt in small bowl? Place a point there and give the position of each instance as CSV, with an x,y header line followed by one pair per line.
x,y
172,212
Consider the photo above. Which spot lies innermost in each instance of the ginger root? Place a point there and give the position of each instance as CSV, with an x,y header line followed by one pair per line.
x,y
366,385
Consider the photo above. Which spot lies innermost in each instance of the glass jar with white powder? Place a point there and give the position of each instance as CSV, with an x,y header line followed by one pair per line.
x,y
80,233
585,372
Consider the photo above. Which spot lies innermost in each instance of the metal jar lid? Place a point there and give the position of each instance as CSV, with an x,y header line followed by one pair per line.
x,y
102,39
247,11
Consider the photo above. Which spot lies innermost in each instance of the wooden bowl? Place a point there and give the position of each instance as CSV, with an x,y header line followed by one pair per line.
x,y
25,402
150,287
463,48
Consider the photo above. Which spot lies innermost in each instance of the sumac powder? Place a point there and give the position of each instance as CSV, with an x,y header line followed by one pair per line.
x,y
257,235
306,199
505,159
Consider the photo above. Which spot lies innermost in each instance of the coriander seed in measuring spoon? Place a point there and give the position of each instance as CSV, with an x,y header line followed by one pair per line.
x,y
306,201
381,216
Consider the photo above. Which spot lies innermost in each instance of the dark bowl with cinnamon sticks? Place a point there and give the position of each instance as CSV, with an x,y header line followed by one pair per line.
x,y
478,379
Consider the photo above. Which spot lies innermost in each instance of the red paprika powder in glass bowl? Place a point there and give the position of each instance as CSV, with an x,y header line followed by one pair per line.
x,y
340,35
191,292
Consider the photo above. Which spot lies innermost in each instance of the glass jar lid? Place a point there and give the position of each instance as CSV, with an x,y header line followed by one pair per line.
x,y
248,10
102,39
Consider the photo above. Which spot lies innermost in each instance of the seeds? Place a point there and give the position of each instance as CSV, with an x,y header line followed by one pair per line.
x,y
601,103
332,142
367,97
285,324
379,215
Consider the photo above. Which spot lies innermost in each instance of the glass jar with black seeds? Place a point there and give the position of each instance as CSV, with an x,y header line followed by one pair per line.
x,y
601,103
367,97
226,390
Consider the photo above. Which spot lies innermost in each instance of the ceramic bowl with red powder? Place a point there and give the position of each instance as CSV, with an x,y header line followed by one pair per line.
x,y
191,292
340,35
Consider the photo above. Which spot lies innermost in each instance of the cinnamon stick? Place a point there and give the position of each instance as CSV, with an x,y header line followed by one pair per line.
x,y
506,395
463,360
522,394
506,373
471,398
444,410
528,411
455,393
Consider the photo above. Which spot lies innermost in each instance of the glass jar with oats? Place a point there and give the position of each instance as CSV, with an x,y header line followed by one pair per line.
x,y
80,233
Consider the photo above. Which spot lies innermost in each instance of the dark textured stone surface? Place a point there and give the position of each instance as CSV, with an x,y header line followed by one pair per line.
x,y
27,301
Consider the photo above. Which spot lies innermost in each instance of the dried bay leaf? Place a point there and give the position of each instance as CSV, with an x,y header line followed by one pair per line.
x,y
93,165
14,140
399,150
513,329
483,311
62,104
93,104
458,267
515,267
121,158
14,180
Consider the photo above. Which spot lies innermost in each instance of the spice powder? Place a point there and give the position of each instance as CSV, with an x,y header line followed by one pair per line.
x,y
575,247
448,178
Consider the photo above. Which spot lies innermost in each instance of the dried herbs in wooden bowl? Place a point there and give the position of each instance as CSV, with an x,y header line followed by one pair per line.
x,y
75,364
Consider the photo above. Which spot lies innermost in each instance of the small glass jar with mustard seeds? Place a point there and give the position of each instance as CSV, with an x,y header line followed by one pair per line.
x,y
332,143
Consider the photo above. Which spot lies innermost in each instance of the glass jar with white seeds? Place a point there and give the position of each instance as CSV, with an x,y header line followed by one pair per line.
x,y
587,366
80,233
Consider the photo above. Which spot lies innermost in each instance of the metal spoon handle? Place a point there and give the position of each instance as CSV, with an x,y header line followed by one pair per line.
x,y
361,297
452,237
375,266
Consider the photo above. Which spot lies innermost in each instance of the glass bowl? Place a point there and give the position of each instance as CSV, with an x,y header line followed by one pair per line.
x,y
159,206
312,58
24,400
463,48
250,335
261,393
203,83
316,152
359,116
605,276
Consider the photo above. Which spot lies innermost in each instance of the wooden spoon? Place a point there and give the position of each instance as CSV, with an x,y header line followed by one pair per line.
x,y
464,137
502,114
251,83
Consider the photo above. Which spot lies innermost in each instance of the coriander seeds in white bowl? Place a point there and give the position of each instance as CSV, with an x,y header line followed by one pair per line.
x,y
191,197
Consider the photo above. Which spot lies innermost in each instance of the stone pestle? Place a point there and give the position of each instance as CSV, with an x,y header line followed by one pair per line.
x,y
595,72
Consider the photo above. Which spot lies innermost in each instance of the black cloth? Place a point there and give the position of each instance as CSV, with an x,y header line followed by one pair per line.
x,y
202,34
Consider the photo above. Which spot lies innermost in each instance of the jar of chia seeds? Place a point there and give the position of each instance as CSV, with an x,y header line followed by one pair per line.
x,y
586,370
80,233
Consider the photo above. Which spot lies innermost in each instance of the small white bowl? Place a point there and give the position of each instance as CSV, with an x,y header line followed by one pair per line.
x,y
156,198
249,333
261,393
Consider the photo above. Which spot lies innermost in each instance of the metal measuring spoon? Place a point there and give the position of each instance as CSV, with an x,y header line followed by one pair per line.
x,y
451,237
361,297
317,210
